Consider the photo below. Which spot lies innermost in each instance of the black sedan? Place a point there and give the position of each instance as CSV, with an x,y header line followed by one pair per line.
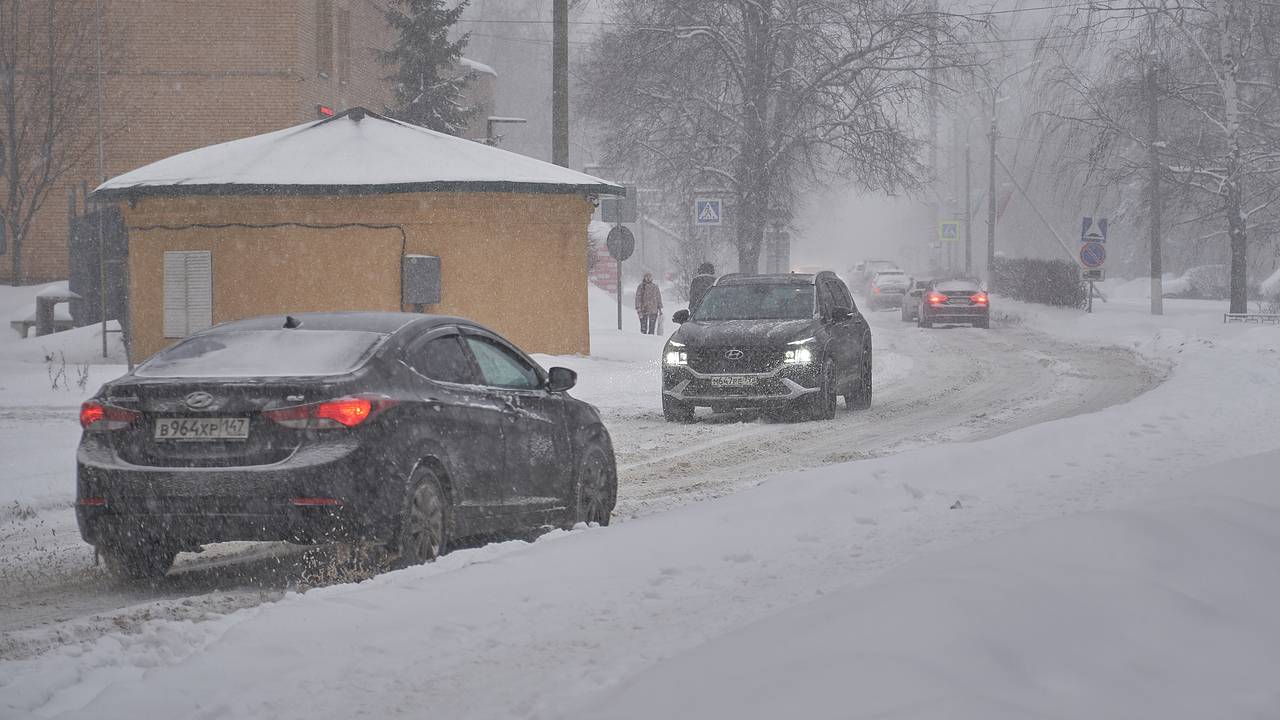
x,y
950,302
404,430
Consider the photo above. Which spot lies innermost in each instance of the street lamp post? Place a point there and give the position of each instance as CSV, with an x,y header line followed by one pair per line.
x,y
992,135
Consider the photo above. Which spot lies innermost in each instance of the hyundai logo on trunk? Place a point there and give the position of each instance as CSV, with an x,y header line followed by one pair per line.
x,y
199,400
734,355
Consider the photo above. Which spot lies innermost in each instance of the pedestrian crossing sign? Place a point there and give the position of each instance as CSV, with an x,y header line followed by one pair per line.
x,y
949,231
707,211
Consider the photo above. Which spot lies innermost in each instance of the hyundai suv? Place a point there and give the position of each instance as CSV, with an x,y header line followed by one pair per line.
x,y
785,344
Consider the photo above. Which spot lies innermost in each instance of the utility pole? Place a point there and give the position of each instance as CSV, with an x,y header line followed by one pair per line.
x,y
968,214
992,134
1153,155
99,209
560,82
932,100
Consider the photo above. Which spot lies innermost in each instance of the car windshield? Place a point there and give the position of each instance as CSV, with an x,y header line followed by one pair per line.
x,y
264,353
957,286
756,302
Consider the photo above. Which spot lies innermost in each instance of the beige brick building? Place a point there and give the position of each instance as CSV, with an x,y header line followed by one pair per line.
x,y
189,73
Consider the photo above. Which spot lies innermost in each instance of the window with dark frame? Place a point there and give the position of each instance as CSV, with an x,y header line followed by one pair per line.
x,y
444,359
324,37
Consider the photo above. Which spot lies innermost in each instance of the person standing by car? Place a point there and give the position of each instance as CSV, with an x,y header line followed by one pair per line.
x,y
701,282
648,304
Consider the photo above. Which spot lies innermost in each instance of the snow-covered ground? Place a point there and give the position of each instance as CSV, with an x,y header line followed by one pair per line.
x,y
1072,559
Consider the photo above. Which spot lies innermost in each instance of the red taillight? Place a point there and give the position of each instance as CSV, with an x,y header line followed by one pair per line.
x,y
331,414
96,416
979,298
936,299
93,502
875,289
315,502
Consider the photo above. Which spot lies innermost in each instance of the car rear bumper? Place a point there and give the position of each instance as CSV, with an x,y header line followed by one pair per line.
x,y
947,314
777,388
323,492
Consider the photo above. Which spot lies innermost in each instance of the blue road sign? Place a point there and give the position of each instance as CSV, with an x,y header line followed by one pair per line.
x,y
1093,229
1093,254
707,211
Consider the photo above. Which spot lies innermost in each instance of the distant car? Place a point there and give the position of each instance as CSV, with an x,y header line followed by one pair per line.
x,y
787,344
409,431
887,289
862,273
911,303
951,302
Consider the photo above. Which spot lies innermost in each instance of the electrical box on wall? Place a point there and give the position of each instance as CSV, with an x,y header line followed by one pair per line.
x,y
420,280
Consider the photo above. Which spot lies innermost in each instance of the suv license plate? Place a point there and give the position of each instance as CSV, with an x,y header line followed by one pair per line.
x,y
202,429
733,381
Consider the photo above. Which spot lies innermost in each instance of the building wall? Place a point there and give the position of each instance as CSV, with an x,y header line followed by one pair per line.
x,y
182,74
514,262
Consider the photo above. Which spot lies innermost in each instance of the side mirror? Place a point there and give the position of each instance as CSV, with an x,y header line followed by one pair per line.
x,y
840,313
560,379
681,317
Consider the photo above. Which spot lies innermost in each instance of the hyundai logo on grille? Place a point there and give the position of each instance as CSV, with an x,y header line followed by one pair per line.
x,y
199,400
734,355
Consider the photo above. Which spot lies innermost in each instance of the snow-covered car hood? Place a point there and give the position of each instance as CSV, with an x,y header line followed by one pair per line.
x,y
744,333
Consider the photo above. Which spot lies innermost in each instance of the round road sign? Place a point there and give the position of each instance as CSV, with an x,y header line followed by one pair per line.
x,y
621,242
1093,254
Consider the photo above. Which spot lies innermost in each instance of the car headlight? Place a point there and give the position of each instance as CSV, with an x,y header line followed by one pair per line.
x,y
799,352
675,354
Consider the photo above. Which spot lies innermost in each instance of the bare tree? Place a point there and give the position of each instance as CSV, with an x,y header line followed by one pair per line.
x,y
1219,99
756,97
48,62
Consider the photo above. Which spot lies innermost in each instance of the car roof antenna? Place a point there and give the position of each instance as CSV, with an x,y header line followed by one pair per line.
x,y
291,322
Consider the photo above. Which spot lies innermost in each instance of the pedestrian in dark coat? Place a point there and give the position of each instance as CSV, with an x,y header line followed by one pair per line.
x,y
701,282
648,304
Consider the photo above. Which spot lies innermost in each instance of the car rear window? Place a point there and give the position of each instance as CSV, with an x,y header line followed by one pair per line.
x,y
264,353
957,286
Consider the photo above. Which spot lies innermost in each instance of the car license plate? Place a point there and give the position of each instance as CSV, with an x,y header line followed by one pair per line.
x,y
732,381
202,429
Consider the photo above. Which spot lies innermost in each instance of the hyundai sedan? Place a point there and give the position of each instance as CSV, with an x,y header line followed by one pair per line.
x,y
406,430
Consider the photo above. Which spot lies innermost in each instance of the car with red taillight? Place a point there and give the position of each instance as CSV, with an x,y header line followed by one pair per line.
x,y
954,302
887,288
402,430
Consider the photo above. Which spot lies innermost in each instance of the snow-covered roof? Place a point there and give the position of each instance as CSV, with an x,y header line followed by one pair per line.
x,y
477,66
354,152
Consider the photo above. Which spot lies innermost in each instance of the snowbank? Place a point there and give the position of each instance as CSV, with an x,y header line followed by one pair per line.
x,y
43,380
1271,286
1155,611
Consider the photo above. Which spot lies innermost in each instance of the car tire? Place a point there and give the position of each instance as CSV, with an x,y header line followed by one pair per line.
x,y
595,487
859,397
149,561
676,411
923,320
822,406
984,323
424,521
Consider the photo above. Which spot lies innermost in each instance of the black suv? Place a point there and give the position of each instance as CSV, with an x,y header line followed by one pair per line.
x,y
781,343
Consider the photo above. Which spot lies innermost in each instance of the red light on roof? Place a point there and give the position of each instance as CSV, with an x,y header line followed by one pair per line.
x,y
324,110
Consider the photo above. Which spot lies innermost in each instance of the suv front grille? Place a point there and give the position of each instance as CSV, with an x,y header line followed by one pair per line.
x,y
753,360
